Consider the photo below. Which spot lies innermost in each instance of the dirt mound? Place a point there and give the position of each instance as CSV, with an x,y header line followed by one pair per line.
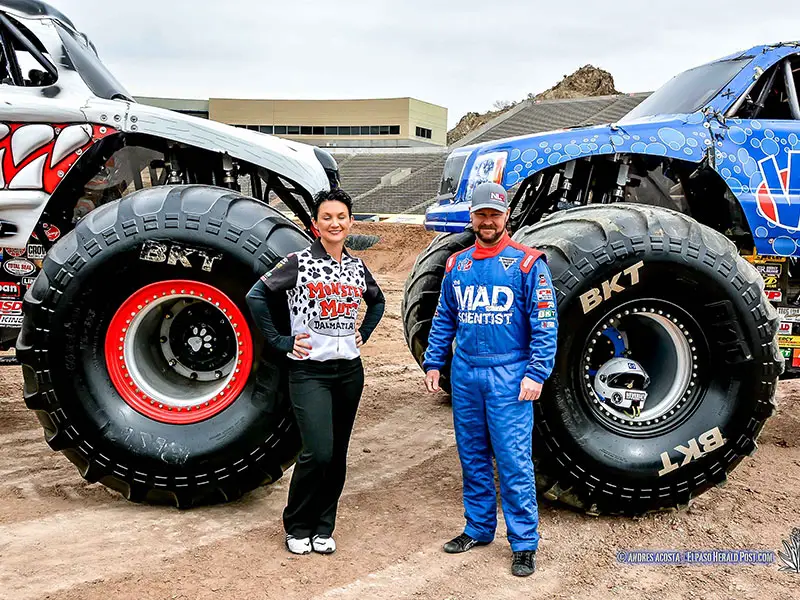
x,y
398,248
586,81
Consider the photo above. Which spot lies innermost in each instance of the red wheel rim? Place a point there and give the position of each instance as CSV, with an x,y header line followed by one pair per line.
x,y
140,392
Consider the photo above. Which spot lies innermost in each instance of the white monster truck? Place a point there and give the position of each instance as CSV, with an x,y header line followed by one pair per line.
x,y
124,228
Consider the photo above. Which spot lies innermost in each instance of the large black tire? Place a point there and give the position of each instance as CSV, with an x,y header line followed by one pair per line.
x,y
610,264
88,275
695,275
421,293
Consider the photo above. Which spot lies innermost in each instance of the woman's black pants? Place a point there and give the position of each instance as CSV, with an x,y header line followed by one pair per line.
x,y
325,397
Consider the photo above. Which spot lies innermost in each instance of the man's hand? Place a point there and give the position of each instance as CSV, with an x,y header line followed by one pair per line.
x,y
301,348
529,389
432,381
359,341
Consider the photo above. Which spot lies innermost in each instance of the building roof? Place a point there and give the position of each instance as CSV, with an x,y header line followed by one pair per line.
x,y
174,103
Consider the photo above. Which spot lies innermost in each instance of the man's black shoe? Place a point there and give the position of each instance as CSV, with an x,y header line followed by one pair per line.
x,y
462,543
523,563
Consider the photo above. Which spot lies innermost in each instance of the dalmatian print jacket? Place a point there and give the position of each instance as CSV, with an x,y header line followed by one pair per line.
x,y
324,298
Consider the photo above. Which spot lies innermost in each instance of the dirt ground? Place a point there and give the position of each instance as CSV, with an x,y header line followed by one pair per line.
x,y
62,538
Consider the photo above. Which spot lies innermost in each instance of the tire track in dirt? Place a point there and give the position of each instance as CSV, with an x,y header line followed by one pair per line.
x,y
103,537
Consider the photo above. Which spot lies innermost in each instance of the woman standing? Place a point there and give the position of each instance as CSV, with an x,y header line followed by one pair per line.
x,y
324,286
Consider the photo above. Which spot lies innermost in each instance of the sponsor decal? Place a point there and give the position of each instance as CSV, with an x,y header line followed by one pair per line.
x,y
785,327
789,341
547,314
635,396
788,312
484,305
507,261
542,281
470,299
9,288
19,267
10,320
497,196
695,448
173,254
36,251
594,297
527,262
774,295
773,270
541,305
333,327
632,366
337,317
10,307
317,289
548,324
545,294
774,195
50,231
28,281
280,265
464,265
15,252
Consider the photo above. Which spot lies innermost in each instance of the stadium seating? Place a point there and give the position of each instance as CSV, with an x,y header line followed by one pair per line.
x,y
361,172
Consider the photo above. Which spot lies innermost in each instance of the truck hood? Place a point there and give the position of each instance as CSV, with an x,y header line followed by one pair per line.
x,y
292,160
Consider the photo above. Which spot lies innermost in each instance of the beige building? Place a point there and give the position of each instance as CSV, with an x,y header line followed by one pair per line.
x,y
377,123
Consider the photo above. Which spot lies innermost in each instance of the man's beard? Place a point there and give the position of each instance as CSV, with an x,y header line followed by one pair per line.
x,y
490,236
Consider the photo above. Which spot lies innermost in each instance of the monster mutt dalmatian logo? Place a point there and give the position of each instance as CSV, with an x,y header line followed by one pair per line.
x,y
778,196
338,304
495,300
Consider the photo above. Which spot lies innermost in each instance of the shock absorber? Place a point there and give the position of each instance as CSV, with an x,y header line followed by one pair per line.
x,y
566,185
172,167
618,193
231,170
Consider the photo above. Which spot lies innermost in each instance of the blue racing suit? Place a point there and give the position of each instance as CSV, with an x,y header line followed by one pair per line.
x,y
500,307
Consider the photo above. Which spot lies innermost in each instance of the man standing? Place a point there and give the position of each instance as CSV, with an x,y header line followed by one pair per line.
x,y
498,303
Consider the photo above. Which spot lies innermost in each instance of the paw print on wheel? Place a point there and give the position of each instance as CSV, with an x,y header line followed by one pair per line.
x,y
200,338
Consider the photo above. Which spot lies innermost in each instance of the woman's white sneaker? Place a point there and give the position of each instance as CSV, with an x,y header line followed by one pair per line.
x,y
298,545
323,544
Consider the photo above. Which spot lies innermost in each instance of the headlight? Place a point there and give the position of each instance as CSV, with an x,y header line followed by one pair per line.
x,y
487,167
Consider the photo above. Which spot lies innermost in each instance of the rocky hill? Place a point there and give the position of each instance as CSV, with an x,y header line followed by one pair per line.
x,y
586,81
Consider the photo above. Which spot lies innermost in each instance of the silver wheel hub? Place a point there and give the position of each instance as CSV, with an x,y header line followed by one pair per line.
x,y
661,344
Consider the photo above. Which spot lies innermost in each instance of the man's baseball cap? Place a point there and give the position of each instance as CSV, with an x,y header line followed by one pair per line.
x,y
489,195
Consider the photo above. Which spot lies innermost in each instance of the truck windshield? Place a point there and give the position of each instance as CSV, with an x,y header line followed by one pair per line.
x,y
93,72
689,91
452,174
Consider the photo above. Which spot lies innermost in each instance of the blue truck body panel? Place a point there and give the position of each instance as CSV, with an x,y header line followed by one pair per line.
x,y
758,159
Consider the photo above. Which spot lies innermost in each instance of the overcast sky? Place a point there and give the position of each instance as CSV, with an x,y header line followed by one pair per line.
x,y
461,54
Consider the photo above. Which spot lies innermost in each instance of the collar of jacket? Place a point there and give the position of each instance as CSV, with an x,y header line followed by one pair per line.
x,y
318,251
483,252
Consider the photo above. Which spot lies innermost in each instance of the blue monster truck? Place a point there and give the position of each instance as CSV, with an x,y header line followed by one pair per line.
x,y
673,237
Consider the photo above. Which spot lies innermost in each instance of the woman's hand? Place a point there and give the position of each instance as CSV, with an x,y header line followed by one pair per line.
x,y
359,341
301,348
